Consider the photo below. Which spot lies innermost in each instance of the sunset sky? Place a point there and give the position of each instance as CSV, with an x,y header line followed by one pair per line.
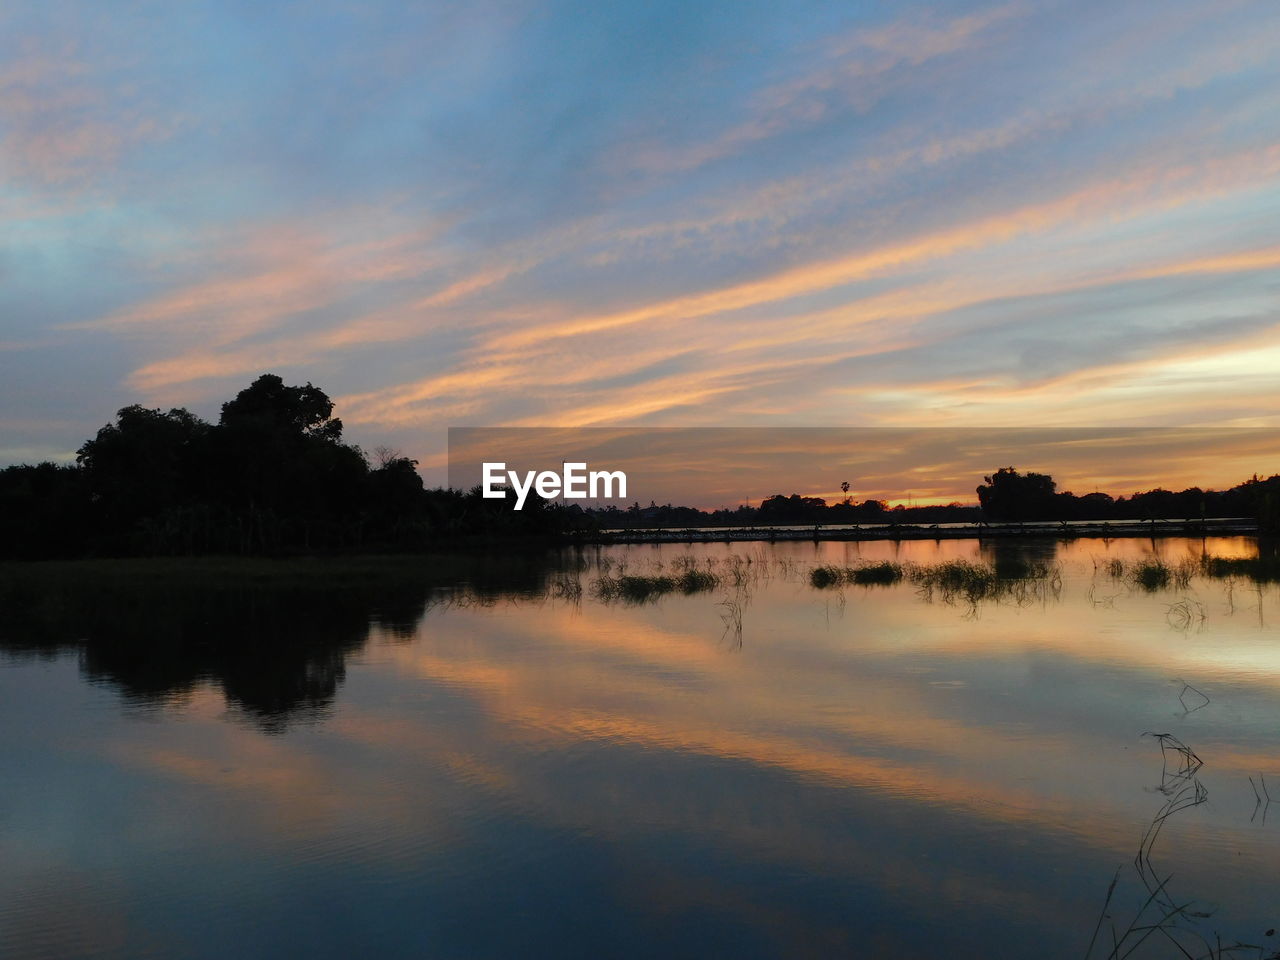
x,y
646,214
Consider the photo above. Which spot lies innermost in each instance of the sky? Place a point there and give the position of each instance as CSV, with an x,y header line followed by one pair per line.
x,y
714,214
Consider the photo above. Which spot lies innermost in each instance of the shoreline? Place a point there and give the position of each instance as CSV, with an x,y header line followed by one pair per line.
x,y
977,531
445,560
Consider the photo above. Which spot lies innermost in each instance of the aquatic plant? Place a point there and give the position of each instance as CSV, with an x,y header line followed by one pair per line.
x,y
1185,613
1152,574
961,580
636,588
826,576
1177,923
1256,569
883,573
732,617
566,586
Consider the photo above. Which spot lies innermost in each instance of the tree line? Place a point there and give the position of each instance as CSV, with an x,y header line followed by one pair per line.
x,y
1008,495
274,476
1005,496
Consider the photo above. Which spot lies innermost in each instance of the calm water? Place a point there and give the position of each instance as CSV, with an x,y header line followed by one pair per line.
x,y
333,768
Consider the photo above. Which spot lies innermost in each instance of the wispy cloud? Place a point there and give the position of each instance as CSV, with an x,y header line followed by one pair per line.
x,y
852,73
68,122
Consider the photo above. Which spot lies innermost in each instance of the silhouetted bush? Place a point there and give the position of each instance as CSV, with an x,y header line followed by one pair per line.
x,y
272,477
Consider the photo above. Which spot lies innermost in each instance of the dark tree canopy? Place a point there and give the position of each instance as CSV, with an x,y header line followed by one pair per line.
x,y
146,460
1010,495
269,406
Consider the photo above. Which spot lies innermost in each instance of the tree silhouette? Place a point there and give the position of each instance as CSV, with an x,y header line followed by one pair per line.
x,y
145,464
283,469
1009,495
267,407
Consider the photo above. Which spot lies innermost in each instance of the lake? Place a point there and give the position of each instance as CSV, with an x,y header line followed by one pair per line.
x,y
570,756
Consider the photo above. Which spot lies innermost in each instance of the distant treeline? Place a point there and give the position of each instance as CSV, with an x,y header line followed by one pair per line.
x,y
273,476
1009,495
778,509
1005,496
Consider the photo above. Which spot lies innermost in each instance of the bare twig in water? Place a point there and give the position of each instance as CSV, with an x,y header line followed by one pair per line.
x,y
1108,600
1187,707
732,618
841,602
1262,801
1174,921
1185,613
1187,764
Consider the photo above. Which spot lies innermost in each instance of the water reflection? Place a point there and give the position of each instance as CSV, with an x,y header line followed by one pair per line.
x,y
274,653
506,766
274,639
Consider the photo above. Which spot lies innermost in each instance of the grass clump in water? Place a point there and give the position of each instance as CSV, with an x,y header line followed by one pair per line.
x,y
884,573
1153,574
826,576
958,578
1022,582
1256,569
954,579
1150,575
697,581
642,589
